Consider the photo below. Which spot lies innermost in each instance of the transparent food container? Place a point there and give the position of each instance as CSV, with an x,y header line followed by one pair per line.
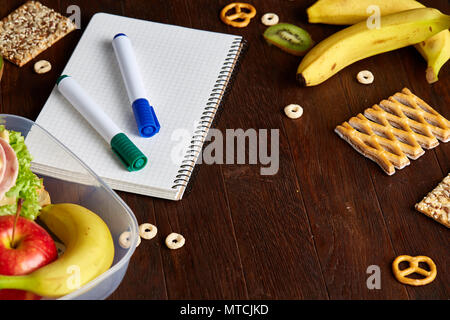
x,y
93,194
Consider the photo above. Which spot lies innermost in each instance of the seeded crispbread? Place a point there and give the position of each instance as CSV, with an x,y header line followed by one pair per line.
x,y
31,29
436,204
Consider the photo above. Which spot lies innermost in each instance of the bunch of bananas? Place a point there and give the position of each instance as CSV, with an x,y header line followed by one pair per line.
x,y
402,23
89,252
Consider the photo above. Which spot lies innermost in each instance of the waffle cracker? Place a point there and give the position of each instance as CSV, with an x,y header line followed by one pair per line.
x,y
436,204
396,130
29,30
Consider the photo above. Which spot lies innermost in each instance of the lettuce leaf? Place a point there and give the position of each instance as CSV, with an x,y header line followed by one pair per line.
x,y
27,184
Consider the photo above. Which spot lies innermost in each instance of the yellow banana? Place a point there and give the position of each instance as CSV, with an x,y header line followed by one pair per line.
x,y
435,50
358,42
89,252
346,12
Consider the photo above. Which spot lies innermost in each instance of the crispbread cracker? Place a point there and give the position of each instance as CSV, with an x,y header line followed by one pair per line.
x,y
436,204
1,69
29,30
395,130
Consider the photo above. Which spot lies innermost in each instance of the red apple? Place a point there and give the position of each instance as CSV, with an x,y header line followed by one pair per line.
x,y
33,248
11,294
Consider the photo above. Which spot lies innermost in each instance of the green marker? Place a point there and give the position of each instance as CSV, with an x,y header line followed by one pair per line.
x,y
123,147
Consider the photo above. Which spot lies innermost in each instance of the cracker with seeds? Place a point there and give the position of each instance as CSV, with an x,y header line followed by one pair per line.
x,y
436,204
30,30
1,67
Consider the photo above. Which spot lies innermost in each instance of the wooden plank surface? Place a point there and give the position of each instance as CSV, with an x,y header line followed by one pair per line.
x,y
311,230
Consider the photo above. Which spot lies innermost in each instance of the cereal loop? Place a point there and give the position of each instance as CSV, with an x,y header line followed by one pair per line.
x,y
138,242
365,77
238,19
124,240
293,111
147,231
42,66
270,19
175,241
401,275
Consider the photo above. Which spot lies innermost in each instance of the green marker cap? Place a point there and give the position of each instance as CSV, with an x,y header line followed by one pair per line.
x,y
60,78
128,153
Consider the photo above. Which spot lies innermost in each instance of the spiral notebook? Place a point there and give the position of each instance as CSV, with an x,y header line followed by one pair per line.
x,y
186,73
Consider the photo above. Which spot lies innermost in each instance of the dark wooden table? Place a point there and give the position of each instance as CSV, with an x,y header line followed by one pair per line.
x,y
308,232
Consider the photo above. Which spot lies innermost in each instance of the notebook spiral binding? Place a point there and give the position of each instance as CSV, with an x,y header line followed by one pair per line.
x,y
188,170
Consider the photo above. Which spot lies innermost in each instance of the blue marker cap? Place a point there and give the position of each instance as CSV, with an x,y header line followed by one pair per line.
x,y
146,120
119,35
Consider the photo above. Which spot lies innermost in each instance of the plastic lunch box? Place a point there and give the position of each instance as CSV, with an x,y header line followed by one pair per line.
x,y
95,195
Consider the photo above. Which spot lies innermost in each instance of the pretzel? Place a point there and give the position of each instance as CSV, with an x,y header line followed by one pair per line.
x,y
414,268
243,16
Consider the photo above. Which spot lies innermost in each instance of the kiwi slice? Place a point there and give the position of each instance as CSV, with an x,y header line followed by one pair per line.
x,y
289,38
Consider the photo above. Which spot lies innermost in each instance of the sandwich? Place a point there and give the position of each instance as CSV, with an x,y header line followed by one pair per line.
x,y
17,181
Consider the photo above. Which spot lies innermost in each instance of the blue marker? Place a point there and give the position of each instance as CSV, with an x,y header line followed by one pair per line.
x,y
144,114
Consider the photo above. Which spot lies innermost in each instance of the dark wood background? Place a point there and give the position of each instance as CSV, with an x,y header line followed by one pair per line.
x,y
308,232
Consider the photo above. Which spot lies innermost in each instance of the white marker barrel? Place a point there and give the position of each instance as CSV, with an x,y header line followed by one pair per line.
x,y
131,157
88,108
129,67
146,120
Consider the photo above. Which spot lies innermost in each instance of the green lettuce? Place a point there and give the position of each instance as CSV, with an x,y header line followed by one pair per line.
x,y
27,184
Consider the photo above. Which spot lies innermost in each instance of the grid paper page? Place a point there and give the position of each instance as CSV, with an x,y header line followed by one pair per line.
x,y
179,68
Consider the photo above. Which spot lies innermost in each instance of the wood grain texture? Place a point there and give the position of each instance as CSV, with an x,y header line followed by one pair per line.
x,y
311,230
400,216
